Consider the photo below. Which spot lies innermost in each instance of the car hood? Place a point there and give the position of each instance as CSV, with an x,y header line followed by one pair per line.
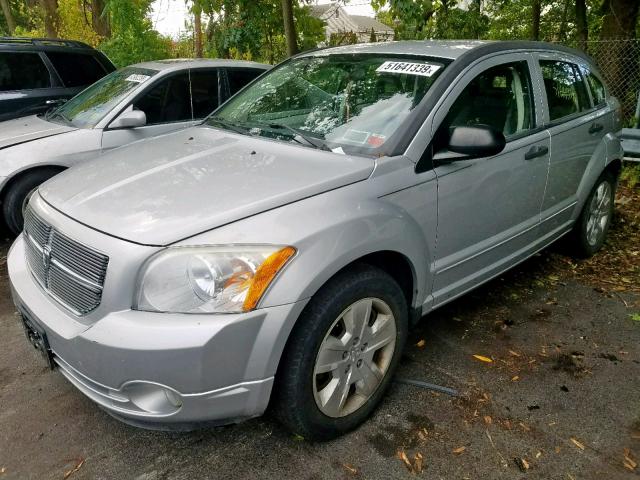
x,y
162,190
27,129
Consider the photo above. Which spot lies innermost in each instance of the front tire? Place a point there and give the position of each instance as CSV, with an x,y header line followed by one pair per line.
x,y
18,194
342,354
592,226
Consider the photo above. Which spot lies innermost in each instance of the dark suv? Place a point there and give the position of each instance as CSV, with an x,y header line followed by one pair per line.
x,y
36,74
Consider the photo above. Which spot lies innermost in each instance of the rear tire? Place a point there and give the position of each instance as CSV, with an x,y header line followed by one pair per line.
x,y
335,368
590,231
18,194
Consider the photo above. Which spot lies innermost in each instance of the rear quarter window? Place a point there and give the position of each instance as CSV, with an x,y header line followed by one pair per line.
x,y
596,87
76,69
22,71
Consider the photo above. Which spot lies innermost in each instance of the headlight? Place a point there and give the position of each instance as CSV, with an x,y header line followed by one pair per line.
x,y
209,279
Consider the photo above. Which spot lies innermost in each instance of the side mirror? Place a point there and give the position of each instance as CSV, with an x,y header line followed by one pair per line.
x,y
472,142
130,119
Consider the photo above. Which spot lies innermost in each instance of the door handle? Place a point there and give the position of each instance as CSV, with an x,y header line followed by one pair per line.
x,y
536,151
595,128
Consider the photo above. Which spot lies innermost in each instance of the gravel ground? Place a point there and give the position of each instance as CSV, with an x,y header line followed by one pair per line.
x,y
554,394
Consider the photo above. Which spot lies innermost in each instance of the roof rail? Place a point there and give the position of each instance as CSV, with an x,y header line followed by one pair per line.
x,y
45,42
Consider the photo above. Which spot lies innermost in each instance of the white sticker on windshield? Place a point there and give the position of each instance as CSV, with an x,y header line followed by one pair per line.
x,y
422,69
136,77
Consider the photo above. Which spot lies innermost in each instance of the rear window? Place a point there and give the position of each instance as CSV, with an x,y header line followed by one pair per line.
x,y
239,78
76,69
22,71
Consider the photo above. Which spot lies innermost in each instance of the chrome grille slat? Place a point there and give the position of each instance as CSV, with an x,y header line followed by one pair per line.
x,y
72,273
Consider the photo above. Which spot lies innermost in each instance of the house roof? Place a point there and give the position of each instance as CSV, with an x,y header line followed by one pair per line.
x,y
367,23
339,20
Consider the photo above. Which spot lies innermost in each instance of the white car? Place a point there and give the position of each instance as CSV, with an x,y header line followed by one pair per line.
x,y
134,103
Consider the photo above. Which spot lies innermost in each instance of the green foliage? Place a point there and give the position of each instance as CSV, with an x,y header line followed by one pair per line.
x,y
631,175
133,38
635,317
423,19
250,29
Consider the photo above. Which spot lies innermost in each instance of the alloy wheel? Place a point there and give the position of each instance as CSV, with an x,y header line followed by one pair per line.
x,y
599,213
354,357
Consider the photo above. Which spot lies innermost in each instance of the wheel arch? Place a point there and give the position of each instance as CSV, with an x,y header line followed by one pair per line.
x,y
9,181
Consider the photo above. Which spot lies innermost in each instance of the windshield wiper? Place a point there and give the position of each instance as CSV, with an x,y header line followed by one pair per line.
x,y
243,130
55,114
308,139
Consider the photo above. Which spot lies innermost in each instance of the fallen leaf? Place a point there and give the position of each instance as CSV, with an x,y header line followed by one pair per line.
x,y
459,450
417,464
488,420
522,464
3,470
539,454
483,358
628,460
577,443
421,343
403,456
351,469
78,466
558,449
515,379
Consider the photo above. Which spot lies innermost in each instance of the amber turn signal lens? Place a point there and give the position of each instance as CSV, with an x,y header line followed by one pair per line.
x,y
265,275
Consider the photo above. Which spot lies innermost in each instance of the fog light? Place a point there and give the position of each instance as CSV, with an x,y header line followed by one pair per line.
x,y
153,398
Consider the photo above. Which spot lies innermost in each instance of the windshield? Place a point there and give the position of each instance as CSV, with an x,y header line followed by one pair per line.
x,y
347,103
91,105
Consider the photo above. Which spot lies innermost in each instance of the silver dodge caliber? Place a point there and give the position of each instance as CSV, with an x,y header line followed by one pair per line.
x,y
279,252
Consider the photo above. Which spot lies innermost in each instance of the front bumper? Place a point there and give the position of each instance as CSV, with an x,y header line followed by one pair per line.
x,y
161,369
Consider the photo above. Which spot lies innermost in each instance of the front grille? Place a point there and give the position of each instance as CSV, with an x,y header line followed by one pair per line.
x,y
69,271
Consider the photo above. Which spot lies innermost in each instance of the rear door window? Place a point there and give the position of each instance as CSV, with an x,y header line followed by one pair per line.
x,y
566,91
204,92
22,71
76,70
168,101
238,78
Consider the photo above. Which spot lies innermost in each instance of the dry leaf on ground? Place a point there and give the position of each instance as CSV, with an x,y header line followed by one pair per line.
x,y
577,443
483,358
459,450
78,466
351,469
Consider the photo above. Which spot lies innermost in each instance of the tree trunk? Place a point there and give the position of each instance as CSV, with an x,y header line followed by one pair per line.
x,y
51,17
8,16
289,27
619,23
581,24
536,9
197,30
100,18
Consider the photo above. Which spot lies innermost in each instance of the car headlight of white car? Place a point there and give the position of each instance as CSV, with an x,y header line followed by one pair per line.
x,y
209,279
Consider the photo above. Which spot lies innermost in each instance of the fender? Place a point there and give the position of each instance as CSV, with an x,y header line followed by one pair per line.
x,y
608,150
57,151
